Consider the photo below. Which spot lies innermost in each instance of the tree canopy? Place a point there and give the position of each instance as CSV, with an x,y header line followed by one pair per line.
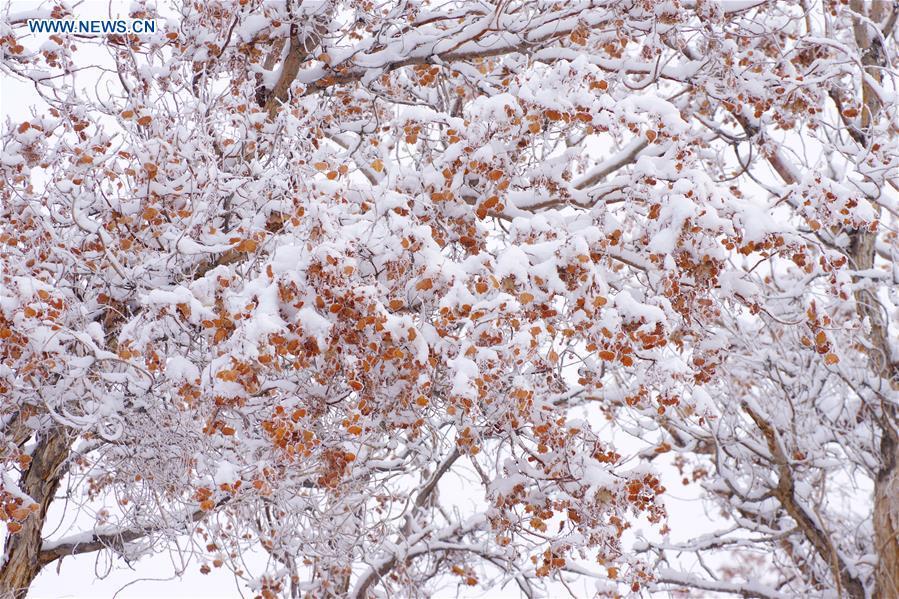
x,y
372,287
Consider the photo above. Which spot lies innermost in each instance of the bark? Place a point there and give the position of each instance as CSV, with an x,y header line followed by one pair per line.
x,y
21,559
886,520
298,53
886,483
862,252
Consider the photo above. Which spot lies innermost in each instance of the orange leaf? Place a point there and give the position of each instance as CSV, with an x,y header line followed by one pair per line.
x,y
424,284
247,246
227,375
831,359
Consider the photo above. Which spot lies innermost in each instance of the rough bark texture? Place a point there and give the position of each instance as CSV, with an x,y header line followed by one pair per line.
x,y
21,563
886,484
886,520
862,253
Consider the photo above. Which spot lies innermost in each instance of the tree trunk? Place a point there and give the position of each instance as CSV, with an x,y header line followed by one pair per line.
x,y
862,252
886,483
21,559
886,521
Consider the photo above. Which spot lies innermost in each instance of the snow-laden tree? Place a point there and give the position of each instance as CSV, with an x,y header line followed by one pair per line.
x,y
282,276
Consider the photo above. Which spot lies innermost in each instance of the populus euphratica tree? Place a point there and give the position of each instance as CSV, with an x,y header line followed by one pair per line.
x,y
283,275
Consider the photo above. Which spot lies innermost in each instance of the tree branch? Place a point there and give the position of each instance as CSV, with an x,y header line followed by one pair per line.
x,y
785,493
88,542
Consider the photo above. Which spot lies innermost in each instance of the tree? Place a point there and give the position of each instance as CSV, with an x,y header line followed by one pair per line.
x,y
280,275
